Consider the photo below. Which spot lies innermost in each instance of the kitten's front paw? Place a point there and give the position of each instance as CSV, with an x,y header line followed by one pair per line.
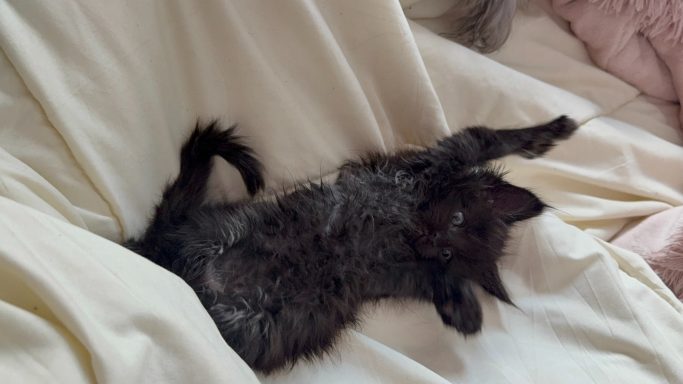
x,y
459,308
466,319
544,137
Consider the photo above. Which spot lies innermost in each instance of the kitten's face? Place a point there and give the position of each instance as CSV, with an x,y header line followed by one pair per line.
x,y
466,228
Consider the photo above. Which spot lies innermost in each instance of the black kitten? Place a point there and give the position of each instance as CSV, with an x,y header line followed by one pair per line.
x,y
283,278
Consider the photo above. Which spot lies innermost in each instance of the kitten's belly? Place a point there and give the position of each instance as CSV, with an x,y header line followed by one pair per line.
x,y
292,275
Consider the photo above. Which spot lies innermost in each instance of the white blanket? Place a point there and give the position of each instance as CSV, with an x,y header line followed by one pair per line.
x,y
97,97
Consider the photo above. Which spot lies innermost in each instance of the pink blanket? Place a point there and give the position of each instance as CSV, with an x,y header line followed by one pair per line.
x,y
640,41
659,239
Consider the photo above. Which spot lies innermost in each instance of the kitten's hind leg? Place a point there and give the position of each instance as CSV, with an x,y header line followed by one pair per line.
x,y
269,339
477,145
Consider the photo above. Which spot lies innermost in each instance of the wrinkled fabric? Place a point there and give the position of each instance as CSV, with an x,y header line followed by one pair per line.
x,y
96,99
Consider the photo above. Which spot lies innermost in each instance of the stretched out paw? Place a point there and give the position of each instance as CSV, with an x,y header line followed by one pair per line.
x,y
542,138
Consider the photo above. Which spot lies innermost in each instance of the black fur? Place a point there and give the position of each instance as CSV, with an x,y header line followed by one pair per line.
x,y
283,278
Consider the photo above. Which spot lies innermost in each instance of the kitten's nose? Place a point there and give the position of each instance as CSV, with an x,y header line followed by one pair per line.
x,y
435,238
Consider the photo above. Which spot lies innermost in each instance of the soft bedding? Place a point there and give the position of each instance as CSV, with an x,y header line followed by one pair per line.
x,y
95,99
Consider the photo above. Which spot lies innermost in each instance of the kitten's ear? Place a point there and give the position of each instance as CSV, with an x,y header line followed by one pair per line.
x,y
515,203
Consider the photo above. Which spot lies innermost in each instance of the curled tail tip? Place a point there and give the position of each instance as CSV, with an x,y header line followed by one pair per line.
x,y
257,184
210,139
251,171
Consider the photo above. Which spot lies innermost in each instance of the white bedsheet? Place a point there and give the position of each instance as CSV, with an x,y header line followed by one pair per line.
x,y
96,98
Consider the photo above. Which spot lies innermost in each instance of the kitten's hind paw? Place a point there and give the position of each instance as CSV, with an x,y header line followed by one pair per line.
x,y
544,137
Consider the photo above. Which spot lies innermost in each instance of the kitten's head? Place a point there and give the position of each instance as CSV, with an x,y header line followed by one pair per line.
x,y
465,221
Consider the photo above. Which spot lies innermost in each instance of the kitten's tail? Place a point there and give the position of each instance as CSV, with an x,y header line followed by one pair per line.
x,y
188,190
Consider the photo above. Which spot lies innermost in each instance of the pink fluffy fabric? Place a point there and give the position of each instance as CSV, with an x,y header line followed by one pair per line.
x,y
659,239
668,263
640,41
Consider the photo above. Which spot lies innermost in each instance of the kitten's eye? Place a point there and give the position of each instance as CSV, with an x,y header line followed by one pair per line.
x,y
446,254
458,219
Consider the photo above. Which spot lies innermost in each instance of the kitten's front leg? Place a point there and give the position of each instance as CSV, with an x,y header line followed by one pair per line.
x,y
477,145
472,146
457,304
453,297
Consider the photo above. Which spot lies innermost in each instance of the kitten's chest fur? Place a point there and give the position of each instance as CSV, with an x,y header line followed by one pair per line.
x,y
334,238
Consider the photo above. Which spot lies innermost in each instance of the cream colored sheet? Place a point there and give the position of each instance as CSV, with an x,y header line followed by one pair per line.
x,y
96,98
